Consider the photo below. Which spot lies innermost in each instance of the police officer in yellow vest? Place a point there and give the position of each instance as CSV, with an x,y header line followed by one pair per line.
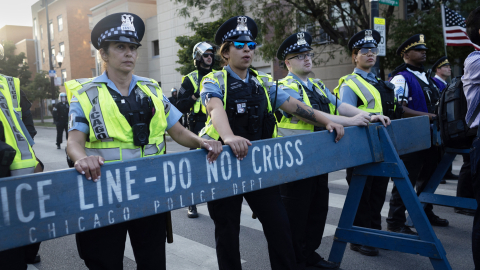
x,y
240,103
189,101
364,90
120,116
306,201
17,156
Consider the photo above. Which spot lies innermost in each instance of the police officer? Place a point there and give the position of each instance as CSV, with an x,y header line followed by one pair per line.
x,y
240,105
189,101
418,96
17,155
138,115
306,201
442,71
173,97
60,117
364,90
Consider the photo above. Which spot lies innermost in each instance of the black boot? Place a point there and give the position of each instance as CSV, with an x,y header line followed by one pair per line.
x,y
58,146
192,211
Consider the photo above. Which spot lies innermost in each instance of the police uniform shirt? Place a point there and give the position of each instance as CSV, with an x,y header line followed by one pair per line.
x,y
308,86
210,89
471,86
346,93
76,109
440,79
401,87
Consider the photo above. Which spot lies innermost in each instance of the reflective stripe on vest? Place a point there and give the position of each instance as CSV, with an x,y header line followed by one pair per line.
x,y
13,92
113,154
23,171
283,132
96,116
197,106
21,141
150,86
365,92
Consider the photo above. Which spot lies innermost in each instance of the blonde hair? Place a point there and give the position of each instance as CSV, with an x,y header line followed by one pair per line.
x,y
224,48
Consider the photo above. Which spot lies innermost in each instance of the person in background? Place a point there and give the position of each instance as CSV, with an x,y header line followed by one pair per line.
x,y
173,97
60,117
471,88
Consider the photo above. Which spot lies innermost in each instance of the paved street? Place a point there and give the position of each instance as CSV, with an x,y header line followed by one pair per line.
x,y
194,243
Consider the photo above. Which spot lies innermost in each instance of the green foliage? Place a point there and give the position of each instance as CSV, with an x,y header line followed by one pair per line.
x,y
427,23
203,32
40,87
13,65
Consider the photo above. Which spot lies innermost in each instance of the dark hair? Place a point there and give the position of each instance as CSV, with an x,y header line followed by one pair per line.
x,y
473,25
105,45
354,53
224,48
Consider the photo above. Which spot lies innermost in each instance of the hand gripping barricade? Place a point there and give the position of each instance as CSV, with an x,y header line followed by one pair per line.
x,y
44,206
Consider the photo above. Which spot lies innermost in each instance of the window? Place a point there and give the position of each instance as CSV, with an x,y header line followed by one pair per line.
x,y
35,28
60,23
41,32
94,72
156,48
43,55
318,34
61,48
53,53
50,26
64,76
93,51
90,21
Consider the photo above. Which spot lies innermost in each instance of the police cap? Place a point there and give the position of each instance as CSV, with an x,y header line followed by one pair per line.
x,y
239,28
368,38
121,27
443,61
415,42
296,43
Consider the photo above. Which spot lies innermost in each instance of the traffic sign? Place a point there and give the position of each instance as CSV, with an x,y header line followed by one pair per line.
x,y
52,73
390,2
379,25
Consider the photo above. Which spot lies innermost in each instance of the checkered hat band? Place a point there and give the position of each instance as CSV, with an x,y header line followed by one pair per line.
x,y
363,41
294,47
234,32
115,31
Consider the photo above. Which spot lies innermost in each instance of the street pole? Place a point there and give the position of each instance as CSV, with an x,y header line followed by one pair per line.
x,y
375,12
50,54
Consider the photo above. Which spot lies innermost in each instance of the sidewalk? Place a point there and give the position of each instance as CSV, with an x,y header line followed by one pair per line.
x,y
48,120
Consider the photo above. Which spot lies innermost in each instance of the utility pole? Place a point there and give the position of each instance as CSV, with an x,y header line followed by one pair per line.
x,y
374,12
50,54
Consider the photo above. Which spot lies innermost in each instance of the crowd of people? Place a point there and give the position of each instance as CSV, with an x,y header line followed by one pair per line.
x,y
293,215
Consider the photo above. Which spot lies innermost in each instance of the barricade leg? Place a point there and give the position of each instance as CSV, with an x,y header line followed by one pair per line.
x,y
425,244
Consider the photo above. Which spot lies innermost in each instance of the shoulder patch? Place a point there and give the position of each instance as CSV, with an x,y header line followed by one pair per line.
x,y
209,80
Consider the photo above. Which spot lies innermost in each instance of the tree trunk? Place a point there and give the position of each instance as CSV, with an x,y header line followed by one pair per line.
x,y
41,110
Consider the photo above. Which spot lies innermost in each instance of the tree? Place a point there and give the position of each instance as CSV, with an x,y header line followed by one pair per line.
x,y
203,32
40,88
14,65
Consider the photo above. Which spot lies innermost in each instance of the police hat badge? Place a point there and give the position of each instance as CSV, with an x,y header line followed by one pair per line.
x,y
368,35
127,23
422,39
301,39
242,23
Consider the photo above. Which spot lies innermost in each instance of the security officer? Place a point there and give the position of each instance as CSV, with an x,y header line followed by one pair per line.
x,y
189,101
442,71
17,155
240,105
138,115
418,96
173,97
306,201
60,117
364,90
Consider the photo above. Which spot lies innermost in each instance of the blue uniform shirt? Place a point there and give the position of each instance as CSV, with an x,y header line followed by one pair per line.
x,y
309,87
346,93
211,89
471,86
76,109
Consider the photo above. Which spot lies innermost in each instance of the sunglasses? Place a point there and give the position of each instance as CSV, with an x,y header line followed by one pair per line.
x,y
241,45
303,56
364,51
206,55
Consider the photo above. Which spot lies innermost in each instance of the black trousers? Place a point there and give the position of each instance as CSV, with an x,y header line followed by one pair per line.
x,y
60,128
306,202
267,206
420,166
104,248
475,171
371,203
465,179
15,259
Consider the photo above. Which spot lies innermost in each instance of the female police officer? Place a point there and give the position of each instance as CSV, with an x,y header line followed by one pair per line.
x,y
123,117
239,101
364,90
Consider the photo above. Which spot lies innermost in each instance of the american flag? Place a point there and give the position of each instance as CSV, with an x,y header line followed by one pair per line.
x,y
454,29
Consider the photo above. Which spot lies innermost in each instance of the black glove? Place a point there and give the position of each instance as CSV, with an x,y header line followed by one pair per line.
x,y
197,94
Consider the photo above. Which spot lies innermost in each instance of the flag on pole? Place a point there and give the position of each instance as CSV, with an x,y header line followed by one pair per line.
x,y
454,29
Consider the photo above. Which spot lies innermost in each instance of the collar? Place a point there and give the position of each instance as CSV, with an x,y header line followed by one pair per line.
x,y
104,79
440,79
414,68
309,85
234,75
366,75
